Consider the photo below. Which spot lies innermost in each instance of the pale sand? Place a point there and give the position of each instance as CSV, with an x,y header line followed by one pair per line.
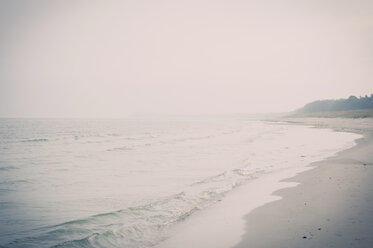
x,y
331,207
222,225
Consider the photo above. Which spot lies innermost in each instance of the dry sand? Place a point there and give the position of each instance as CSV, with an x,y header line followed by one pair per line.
x,y
331,207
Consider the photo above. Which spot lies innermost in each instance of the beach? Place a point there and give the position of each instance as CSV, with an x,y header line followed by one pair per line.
x,y
186,124
331,206
143,183
326,204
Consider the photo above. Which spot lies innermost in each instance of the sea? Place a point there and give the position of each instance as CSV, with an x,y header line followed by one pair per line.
x,y
128,182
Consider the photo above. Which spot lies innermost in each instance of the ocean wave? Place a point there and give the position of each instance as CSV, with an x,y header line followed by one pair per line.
x,y
122,148
216,178
161,142
130,227
36,140
139,226
8,168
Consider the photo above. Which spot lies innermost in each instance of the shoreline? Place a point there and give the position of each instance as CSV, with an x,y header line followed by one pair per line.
x,y
222,225
332,203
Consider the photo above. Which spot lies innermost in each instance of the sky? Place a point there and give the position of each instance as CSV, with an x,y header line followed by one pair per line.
x,y
75,58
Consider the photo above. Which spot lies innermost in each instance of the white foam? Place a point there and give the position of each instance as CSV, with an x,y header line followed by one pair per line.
x,y
222,225
172,168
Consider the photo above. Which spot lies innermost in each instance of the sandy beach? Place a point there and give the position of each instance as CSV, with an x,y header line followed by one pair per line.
x,y
331,207
186,124
325,204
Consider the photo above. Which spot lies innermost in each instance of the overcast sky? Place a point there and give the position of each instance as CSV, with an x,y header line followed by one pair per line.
x,y
114,58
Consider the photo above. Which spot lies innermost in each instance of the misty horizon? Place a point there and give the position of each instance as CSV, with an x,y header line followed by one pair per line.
x,y
113,59
188,123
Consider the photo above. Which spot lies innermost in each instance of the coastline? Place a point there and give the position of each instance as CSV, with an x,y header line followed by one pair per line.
x,y
224,224
331,206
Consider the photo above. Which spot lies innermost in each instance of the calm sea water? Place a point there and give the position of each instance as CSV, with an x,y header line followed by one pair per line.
x,y
124,183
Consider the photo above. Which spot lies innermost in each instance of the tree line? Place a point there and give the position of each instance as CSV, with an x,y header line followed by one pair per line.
x,y
351,103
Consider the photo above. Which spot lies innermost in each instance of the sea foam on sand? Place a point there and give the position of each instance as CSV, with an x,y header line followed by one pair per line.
x,y
331,207
223,224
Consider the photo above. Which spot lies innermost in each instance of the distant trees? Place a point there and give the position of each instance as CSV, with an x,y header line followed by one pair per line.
x,y
351,103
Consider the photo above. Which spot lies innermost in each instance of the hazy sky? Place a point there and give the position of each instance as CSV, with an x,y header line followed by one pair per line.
x,y
113,58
